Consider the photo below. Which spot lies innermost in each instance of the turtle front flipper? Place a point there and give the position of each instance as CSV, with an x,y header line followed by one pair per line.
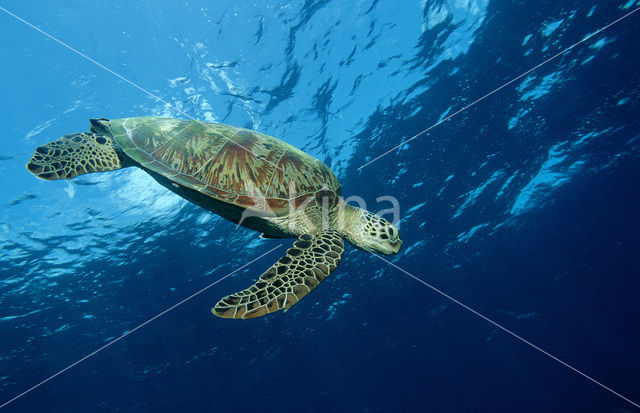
x,y
311,260
74,155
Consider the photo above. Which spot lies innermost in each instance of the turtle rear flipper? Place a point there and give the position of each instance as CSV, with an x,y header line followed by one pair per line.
x,y
74,155
309,262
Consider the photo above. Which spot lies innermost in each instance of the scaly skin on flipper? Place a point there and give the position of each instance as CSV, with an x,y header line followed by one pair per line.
x,y
74,155
293,276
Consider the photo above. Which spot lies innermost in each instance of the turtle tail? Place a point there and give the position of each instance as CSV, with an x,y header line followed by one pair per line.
x,y
73,155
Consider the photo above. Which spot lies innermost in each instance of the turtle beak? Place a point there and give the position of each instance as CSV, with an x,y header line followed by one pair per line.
x,y
396,245
387,247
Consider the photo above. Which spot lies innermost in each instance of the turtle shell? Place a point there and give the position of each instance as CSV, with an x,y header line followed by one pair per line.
x,y
234,165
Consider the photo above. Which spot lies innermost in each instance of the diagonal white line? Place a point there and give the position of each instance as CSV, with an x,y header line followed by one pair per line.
x,y
159,99
584,39
138,327
507,331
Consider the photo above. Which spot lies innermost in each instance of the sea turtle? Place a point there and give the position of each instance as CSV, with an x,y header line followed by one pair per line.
x,y
247,177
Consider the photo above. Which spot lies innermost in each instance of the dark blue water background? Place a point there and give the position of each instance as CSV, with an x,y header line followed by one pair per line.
x,y
523,207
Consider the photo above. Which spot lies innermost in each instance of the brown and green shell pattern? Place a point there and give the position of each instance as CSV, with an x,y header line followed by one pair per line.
x,y
234,165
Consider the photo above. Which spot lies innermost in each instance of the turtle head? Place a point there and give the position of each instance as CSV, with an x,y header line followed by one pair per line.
x,y
367,231
377,234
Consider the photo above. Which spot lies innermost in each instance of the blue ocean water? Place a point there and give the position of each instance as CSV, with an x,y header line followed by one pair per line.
x,y
524,207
